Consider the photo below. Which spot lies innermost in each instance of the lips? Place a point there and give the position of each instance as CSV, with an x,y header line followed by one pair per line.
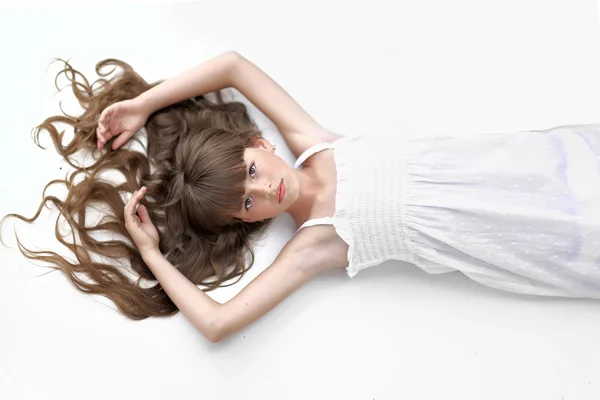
x,y
281,191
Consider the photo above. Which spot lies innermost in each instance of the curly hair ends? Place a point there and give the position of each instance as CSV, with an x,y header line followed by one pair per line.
x,y
194,172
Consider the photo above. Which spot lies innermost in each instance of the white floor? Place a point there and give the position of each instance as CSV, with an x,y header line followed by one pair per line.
x,y
376,68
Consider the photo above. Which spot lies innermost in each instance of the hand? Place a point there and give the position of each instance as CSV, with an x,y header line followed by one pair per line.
x,y
123,118
140,227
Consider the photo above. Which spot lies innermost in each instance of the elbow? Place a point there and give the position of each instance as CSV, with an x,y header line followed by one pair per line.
x,y
214,331
234,62
210,323
232,59
233,56
214,335
213,338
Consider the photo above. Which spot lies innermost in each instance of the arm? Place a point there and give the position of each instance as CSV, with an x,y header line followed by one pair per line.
x,y
217,321
210,76
300,259
231,69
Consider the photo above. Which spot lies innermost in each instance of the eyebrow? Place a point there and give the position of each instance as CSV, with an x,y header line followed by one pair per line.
x,y
246,174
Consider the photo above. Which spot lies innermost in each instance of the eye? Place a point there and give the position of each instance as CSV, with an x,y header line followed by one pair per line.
x,y
252,172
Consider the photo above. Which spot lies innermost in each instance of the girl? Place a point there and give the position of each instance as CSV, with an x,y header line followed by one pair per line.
x,y
517,211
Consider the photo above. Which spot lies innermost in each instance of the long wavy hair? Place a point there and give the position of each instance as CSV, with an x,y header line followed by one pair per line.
x,y
194,171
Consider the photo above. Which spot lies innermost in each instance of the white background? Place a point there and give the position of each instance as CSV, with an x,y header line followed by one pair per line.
x,y
372,67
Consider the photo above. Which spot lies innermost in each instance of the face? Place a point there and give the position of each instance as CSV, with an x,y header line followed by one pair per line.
x,y
267,174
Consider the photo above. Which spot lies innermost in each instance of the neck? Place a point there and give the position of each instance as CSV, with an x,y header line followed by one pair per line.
x,y
309,189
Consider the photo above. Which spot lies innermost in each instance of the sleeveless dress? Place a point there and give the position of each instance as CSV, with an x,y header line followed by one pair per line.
x,y
516,211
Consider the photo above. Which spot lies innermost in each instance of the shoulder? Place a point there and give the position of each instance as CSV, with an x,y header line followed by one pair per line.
x,y
300,142
316,248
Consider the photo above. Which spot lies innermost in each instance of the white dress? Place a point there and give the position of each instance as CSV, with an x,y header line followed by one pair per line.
x,y
515,211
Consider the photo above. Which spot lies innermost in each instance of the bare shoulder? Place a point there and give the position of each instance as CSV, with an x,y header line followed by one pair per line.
x,y
316,248
299,142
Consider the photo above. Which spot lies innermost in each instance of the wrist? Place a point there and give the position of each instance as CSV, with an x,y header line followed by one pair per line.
x,y
144,103
151,255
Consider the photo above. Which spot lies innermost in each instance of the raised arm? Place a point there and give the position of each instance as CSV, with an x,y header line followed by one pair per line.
x,y
209,76
230,69
298,128
301,258
217,321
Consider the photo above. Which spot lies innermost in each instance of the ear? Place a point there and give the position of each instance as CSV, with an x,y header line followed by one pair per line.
x,y
261,143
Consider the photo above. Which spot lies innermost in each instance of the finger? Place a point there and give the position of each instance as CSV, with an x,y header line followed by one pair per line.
x,y
143,214
130,207
98,142
120,140
105,135
106,114
135,198
100,135
138,195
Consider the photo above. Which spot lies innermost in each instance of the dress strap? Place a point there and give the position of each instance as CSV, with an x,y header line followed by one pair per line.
x,y
316,221
312,150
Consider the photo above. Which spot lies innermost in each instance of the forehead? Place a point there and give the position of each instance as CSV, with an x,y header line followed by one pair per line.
x,y
251,150
251,153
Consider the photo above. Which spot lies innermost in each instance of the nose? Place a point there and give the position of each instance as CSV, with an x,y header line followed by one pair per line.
x,y
265,188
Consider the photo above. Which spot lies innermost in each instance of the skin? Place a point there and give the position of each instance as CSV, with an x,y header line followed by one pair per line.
x,y
310,193
266,172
